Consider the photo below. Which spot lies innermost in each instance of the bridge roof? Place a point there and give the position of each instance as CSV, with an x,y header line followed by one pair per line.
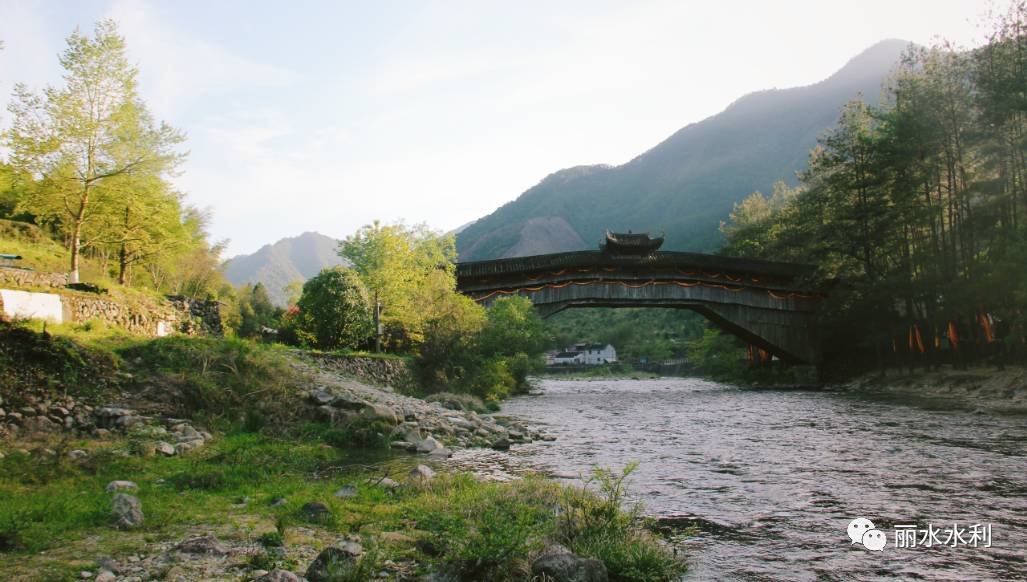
x,y
660,259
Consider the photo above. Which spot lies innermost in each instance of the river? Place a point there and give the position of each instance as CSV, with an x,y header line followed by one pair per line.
x,y
776,476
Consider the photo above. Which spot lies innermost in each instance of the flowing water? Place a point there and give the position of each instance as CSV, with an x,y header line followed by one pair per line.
x,y
773,478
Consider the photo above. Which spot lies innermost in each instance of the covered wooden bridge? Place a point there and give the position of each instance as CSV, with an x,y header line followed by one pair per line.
x,y
768,304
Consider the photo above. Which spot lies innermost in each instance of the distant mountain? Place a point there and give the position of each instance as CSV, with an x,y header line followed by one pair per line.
x,y
276,265
688,183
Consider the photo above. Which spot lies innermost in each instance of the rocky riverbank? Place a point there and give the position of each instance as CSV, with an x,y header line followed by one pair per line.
x,y
980,388
185,459
415,425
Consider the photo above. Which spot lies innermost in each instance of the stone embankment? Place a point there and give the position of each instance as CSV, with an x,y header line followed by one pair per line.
x,y
148,434
391,372
417,426
983,388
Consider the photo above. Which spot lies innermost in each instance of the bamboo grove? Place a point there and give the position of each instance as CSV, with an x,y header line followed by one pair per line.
x,y
915,209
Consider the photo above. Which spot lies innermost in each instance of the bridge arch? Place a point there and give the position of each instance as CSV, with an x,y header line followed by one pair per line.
x,y
768,304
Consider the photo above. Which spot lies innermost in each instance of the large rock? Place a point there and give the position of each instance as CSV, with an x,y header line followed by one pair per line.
x,y
340,556
316,511
202,545
348,402
346,491
127,510
121,486
278,576
422,474
380,412
560,565
428,445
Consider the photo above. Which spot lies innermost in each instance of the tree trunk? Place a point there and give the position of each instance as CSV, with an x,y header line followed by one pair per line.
x,y
76,237
123,254
75,249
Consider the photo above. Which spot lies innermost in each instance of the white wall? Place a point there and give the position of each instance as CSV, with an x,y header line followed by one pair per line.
x,y
29,305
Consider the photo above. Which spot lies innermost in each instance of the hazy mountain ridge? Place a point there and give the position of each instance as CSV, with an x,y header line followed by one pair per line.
x,y
687,184
290,259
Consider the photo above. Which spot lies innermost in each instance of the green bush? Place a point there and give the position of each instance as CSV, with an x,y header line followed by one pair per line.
x,y
458,401
594,523
360,432
221,379
334,311
486,531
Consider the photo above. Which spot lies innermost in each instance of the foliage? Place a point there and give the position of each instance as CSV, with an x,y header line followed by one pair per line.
x,y
256,312
448,354
487,353
360,432
32,361
402,268
482,530
513,327
333,311
654,334
917,208
97,150
717,355
594,523
220,379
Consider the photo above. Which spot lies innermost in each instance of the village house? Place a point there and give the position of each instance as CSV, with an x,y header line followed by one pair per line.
x,y
584,354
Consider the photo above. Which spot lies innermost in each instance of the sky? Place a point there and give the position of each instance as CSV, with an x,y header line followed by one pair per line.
x,y
326,115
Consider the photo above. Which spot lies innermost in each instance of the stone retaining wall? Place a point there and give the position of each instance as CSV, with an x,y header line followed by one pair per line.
x,y
392,372
10,277
156,318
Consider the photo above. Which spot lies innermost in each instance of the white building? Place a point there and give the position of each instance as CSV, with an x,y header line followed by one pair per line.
x,y
584,354
568,357
596,354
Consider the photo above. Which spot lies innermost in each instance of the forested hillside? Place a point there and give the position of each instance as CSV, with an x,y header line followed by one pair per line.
x,y
918,209
687,184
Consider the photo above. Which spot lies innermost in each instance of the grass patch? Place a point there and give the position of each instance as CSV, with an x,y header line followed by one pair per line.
x,y
219,379
474,530
32,362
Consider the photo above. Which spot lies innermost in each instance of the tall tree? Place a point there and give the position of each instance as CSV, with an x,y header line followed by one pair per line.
x,y
85,134
401,266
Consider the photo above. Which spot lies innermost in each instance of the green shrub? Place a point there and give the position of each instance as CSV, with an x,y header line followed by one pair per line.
x,y
595,524
486,531
271,539
359,433
454,401
218,378
366,567
334,311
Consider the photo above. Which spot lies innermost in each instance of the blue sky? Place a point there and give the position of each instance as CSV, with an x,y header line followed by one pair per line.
x,y
323,116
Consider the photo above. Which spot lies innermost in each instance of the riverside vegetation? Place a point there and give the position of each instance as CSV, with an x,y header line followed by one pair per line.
x,y
278,484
